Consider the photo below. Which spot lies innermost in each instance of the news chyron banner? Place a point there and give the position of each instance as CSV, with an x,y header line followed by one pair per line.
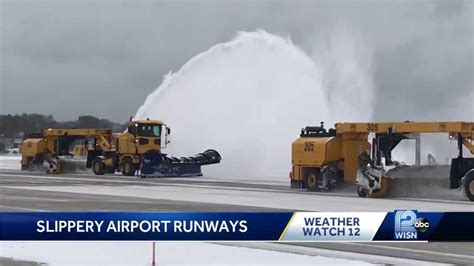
x,y
399,225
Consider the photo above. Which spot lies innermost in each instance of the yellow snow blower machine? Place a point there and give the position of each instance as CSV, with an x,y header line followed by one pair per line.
x,y
53,148
138,150
323,158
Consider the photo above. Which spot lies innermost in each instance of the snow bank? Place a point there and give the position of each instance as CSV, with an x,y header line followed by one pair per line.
x,y
248,99
10,162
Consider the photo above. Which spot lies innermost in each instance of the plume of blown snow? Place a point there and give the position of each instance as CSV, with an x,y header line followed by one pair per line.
x,y
346,62
246,98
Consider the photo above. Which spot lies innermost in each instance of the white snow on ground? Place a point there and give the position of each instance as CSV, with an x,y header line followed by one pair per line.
x,y
10,162
139,253
167,253
256,197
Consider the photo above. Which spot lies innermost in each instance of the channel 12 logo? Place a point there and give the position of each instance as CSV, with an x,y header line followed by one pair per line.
x,y
407,225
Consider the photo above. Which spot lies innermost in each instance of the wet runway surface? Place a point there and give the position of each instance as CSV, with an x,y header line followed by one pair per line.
x,y
31,191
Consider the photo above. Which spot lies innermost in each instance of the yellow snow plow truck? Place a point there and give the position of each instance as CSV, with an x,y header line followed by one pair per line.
x,y
323,158
138,150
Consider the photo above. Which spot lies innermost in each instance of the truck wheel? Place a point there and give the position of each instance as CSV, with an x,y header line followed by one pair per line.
x,y
311,181
98,167
380,193
362,192
55,169
128,167
469,185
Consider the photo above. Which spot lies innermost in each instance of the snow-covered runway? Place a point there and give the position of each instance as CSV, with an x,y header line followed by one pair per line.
x,y
236,193
23,191
167,253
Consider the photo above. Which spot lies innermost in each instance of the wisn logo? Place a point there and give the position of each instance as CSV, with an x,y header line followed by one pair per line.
x,y
407,225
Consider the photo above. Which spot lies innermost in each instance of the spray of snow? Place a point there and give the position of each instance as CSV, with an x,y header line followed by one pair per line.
x,y
248,98
346,62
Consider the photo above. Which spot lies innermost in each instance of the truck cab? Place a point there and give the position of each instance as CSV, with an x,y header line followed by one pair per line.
x,y
142,136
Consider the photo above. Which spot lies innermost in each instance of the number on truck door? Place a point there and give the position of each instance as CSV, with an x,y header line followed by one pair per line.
x,y
309,146
372,127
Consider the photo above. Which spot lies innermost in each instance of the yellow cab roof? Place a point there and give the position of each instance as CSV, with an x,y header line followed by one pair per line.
x,y
147,121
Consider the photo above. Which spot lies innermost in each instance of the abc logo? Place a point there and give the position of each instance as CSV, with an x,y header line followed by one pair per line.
x,y
422,224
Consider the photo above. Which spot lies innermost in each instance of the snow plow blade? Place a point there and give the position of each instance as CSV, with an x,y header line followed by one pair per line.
x,y
425,182
64,165
156,164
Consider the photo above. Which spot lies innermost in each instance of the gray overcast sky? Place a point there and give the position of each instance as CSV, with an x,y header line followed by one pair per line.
x,y
67,58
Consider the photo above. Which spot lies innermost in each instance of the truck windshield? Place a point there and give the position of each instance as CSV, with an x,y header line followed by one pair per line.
x,y
148,130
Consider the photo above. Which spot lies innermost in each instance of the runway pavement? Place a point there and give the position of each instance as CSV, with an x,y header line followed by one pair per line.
x,y
31,191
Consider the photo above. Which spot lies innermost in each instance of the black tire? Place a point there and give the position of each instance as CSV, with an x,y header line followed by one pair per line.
x,y
469,185
56,169
98,167
128,167
311,180
362,192
295,184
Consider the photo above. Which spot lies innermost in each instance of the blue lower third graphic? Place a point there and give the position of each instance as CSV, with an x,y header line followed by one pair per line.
x,y
202,226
